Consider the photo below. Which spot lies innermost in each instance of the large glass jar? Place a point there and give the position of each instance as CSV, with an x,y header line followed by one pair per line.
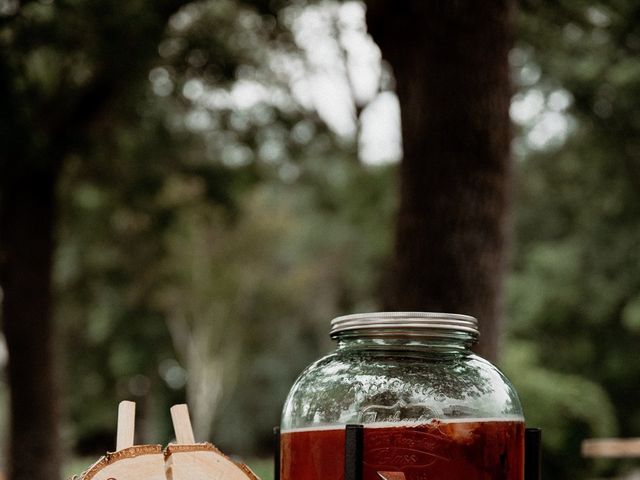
x,y
431,409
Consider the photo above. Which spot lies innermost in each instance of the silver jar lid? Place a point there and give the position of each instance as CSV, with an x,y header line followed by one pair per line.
x,y
416,323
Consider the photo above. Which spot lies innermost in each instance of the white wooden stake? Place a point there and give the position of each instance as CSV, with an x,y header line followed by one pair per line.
x,y
182,424
126,425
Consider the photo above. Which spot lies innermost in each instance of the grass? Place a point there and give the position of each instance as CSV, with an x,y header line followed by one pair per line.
x,y
262,467
76,466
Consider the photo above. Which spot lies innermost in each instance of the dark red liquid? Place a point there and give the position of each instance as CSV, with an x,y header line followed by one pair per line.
x,y
466,450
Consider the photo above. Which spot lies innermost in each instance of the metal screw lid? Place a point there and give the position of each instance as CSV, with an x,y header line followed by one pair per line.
x,y
414,323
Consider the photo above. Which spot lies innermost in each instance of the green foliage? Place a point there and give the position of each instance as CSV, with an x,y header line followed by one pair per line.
x,y
567,407
574,287
187,247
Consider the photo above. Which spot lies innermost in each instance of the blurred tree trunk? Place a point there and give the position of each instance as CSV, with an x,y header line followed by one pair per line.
x,y
450,61
26,226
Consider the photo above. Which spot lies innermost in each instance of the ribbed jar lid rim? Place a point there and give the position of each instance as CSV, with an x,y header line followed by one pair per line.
x,y
426,323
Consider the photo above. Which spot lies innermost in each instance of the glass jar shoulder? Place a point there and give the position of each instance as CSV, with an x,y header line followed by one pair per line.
x,y
371,387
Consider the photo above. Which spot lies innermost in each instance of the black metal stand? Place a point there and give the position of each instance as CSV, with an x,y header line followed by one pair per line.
x,y
532,454
353,451
276,453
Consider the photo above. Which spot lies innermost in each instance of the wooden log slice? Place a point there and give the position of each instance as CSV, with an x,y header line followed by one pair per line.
x,y
140,462
203,461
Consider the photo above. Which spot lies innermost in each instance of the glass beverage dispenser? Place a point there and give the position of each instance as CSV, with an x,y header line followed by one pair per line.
x,y
430,408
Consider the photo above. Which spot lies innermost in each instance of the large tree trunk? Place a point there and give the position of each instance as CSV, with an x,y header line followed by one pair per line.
x,y
26,227
450,61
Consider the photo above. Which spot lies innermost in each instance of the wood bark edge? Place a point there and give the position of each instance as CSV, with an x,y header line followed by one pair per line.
x,y
206,447
112,457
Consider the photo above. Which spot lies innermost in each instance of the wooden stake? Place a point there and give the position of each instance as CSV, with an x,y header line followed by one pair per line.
x,y
129,461
126,425
182,424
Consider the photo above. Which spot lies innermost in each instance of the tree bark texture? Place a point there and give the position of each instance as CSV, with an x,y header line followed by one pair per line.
x,y
450,61
26,229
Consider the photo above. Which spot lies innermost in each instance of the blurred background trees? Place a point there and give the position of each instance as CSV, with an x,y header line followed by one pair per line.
x,y
55,94
231,186
574,285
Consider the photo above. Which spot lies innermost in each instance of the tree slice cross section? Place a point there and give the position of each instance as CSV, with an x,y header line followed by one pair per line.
x,y
188,460
141,462
185,460
203,461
